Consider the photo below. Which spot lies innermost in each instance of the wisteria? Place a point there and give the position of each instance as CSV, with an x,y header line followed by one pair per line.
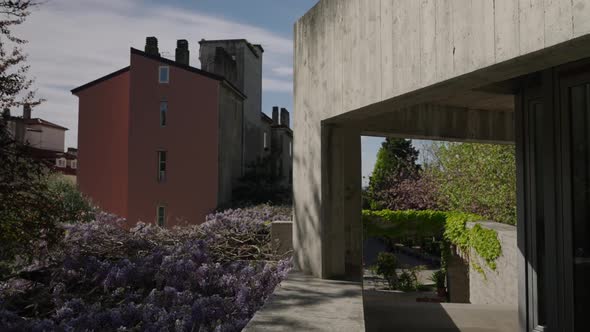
x,y
104,277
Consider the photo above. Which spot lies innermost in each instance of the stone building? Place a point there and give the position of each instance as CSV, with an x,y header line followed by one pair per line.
x,y
241,63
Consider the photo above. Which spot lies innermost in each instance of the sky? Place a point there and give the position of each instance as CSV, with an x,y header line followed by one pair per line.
x,y
75,42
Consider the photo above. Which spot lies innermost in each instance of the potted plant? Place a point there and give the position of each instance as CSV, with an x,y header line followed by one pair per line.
x,y
438,278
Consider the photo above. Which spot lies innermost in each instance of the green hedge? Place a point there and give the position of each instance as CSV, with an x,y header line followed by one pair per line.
x,y
450,226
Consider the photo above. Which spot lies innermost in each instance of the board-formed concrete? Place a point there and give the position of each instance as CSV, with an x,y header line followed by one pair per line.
x,y
498,286
357,62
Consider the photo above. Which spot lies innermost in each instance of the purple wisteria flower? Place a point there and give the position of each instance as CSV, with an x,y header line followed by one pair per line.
x,y
211,277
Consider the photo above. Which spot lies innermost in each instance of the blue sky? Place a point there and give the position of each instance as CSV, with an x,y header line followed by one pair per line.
x,y
74,42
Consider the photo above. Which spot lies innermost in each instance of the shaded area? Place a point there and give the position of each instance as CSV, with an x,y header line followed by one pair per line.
x,y
392,311
305,303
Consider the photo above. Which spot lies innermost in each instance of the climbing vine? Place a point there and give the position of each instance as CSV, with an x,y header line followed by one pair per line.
x,y
451,227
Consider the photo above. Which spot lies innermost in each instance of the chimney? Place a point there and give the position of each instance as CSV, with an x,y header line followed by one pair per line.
x,y
26,111
275,115
284,117
182,52
151,46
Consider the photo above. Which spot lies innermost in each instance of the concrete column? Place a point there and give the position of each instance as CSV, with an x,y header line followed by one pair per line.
x,y
341,210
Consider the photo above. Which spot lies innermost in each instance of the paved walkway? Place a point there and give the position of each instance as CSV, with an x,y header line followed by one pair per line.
x,y
305,303
400,312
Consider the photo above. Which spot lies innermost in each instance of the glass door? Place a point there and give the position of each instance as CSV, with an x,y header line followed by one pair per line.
x,y
576,140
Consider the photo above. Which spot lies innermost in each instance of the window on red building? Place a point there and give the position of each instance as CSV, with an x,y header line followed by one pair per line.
x,y
164,74
162,166
163,112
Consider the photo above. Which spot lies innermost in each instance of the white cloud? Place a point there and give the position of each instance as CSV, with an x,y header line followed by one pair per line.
x,y
270,84
74,42
283,71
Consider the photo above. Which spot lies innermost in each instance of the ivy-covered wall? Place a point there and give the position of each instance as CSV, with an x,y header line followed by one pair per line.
x,y
448,226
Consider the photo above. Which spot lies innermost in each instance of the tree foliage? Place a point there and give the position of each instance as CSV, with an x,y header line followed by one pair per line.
x,y
27,224
477,178
25,202
14,84
398,182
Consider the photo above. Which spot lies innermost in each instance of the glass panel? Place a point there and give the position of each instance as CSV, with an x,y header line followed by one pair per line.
x,y
536,211
163,111
161,215
580,155
539,212
161,165
164,74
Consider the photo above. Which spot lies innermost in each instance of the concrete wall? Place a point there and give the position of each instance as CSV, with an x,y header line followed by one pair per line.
x,y
230,143
458,278
363,58
103,133
281,233
190,137
498,286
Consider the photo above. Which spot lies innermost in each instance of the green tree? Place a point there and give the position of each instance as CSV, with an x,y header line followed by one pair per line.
x,y
25,224
69,204
396,158
477,178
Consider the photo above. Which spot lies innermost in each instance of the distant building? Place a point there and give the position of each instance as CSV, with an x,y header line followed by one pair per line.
x,y
241,63
163,142
46,142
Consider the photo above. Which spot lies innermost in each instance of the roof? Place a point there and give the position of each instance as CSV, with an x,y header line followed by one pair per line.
x,y
98,80
37,121
168,62
250,46
265,117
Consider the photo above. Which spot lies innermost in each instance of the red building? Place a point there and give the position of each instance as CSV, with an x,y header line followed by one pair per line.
x,y
159,141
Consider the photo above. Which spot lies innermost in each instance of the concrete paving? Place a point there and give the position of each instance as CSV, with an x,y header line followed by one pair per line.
x,y
305,303
385,311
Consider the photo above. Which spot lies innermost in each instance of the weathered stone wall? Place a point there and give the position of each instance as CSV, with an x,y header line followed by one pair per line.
x,y
498,286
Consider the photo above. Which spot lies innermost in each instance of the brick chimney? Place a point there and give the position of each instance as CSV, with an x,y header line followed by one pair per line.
x,y
151,46
284,117
26,111
182,52
275,115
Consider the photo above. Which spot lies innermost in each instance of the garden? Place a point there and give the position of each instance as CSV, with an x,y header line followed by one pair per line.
x,y
66,266
417,215
100,276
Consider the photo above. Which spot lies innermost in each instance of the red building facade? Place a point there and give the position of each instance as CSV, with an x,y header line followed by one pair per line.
x,y
159,141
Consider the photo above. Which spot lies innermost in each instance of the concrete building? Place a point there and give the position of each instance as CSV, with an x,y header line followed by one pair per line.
x,y
510,72
163,142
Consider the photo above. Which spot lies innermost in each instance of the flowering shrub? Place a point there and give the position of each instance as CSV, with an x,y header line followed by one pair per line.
x,y
104,277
